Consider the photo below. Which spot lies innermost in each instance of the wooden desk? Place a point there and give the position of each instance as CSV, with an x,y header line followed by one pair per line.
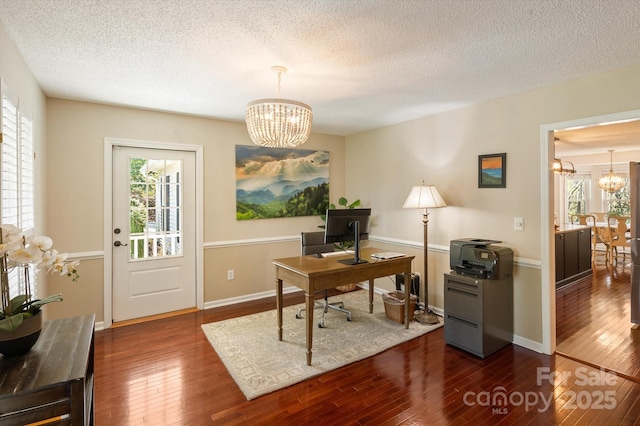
x,y
314,274
54,380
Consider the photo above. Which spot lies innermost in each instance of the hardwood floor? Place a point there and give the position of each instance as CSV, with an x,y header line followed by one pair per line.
x,y
165,372
593,321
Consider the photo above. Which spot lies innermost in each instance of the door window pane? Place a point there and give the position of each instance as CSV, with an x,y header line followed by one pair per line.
x,y
155,207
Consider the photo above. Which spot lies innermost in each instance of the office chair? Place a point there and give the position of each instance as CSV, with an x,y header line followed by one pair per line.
x,y
312,243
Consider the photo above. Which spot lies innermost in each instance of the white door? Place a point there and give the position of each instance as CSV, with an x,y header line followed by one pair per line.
x,y
153,239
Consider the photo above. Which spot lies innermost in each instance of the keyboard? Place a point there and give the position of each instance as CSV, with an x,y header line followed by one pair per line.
x,y
337,253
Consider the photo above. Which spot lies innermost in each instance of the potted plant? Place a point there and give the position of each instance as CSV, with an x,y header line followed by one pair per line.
x,y
20,314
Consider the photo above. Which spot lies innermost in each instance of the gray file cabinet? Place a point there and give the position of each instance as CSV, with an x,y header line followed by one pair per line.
x,y
478,313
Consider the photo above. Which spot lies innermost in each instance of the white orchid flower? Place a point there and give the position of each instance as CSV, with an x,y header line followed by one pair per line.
x,y
24,256
20,251
42,243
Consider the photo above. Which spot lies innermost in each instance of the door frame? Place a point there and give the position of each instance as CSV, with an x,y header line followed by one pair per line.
x,y
548,270
109,144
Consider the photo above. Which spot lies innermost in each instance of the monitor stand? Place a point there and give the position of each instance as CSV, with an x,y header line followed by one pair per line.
x,y
356,251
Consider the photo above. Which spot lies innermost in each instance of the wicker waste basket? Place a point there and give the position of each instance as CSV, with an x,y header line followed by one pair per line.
x,y
394,305
346,288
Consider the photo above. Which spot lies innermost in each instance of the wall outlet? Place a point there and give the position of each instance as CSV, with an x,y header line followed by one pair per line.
x,y
518,223
230,274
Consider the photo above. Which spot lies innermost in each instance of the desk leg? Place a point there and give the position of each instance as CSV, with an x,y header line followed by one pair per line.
x,y
309,316
407,295
370,296
279,306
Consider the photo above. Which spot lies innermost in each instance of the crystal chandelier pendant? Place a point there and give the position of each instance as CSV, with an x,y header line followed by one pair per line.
x,y
278,123
611,182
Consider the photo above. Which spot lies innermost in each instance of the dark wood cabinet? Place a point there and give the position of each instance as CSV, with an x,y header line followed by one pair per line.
x,y
573,254
52,383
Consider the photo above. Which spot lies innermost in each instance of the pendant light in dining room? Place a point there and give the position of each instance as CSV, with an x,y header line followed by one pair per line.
x,y
611,182
278,123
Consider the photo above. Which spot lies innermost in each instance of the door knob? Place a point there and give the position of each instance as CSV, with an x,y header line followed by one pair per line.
x,y
118,244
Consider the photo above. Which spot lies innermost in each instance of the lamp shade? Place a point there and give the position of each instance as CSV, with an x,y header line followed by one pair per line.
x,y
424,197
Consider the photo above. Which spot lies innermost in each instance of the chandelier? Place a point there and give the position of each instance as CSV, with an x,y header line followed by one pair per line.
x,y
278,123
611,182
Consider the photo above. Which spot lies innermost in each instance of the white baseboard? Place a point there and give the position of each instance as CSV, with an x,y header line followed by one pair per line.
x,y
248,297
517,340
527,343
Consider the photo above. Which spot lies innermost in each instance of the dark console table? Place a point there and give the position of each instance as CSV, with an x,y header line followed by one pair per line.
x,y
54,381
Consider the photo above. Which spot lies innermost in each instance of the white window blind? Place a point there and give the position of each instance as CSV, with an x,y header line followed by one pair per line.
x,y
16,182
17,201
9,162
26,207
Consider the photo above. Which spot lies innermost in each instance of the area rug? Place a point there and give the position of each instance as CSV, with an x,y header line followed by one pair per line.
x,y
261,364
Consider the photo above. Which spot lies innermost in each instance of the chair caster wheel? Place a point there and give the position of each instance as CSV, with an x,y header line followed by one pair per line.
x,y
298,316
320,325
349,319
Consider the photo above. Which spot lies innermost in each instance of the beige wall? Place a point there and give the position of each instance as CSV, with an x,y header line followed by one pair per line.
x,y
378,166
75,182
383,164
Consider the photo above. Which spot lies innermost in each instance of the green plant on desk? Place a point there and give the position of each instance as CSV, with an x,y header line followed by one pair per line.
x,y
344,245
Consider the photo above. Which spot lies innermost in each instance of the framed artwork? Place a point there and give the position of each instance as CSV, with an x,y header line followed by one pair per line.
x,y
280,182
492,171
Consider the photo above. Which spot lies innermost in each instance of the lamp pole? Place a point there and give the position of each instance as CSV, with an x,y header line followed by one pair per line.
x,y
428,316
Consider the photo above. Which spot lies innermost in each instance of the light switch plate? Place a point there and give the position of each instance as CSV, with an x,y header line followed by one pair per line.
x,y
518,223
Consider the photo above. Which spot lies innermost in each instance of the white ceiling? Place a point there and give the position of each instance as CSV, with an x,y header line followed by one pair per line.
x,y
360,64
597,139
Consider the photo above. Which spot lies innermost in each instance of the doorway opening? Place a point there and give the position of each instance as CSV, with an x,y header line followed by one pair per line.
x,y
599,288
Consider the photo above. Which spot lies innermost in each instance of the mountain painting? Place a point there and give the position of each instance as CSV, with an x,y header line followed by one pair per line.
x,y
280,182
492,171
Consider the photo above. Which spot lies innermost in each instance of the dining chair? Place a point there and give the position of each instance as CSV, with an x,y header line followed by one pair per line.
x,y
600,216
602,234
597,237
583,219
619,230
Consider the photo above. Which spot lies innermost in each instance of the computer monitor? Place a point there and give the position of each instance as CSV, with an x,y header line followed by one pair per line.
x,y
347,225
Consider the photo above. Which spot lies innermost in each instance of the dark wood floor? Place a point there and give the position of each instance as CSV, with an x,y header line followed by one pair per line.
x,y
593,321
165,372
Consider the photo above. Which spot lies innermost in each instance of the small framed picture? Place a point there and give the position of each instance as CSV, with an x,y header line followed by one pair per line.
x,y
492,171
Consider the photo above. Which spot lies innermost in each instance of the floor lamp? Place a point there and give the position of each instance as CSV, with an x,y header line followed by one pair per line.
x,y
425,197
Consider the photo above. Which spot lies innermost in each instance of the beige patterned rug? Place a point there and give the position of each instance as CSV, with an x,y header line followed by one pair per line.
x,y
261,364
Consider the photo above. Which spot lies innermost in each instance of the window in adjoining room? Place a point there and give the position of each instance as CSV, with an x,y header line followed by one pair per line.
x,y
577,187
618,203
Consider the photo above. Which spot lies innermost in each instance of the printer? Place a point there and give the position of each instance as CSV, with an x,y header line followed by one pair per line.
x,y
479,258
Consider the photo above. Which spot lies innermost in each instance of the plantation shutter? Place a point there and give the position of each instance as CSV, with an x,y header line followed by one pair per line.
x,y
9,162
25,194
17,204
16,183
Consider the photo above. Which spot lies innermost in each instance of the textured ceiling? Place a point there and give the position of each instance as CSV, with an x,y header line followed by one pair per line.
x,y
360,64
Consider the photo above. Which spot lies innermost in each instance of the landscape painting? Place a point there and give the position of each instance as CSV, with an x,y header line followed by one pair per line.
x,y
280,182
492,171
